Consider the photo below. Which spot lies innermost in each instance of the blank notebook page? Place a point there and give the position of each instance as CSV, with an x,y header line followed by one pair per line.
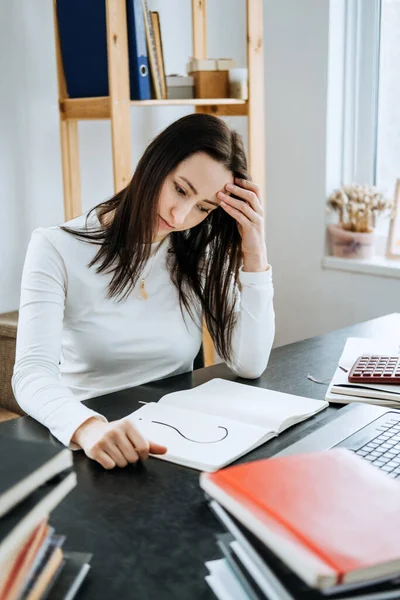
x,y
245,403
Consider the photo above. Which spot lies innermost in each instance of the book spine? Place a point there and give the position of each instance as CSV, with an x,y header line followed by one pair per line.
x,y
152,52
155,19
139,71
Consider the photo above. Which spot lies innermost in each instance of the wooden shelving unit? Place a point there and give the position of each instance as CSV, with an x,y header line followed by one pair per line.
x,y
80,109
118,105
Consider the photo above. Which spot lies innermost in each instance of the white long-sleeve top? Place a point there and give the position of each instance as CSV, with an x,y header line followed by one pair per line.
x,y
74,343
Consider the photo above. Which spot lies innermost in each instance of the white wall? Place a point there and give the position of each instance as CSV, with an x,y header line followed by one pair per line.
x,y
12,154
308,299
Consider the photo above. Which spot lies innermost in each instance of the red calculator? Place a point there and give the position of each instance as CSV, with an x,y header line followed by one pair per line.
x,y
376,368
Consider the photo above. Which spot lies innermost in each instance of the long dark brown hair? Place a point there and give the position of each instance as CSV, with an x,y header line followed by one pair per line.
x,y
204,261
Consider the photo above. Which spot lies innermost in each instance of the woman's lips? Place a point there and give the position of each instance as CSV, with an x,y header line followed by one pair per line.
x,y
164,224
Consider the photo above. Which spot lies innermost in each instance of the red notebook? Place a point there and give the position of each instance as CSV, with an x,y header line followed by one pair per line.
x,y
330,516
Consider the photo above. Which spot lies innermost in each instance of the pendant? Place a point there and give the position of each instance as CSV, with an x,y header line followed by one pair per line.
x,y
143,292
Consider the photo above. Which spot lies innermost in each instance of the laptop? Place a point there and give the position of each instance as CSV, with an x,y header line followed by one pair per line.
x,y
372,432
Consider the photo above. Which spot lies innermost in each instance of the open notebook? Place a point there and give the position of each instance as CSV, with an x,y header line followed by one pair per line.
x,y
342,391
210,426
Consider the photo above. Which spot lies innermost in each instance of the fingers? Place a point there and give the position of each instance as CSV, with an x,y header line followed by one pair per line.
x,y
140,444
238,215
248,191
238,208
143,447
249,185
249,205
115,454
242,213
157,448
105,460
125,446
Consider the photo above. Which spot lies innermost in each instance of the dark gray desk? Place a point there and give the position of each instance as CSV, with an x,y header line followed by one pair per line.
x,y
148,527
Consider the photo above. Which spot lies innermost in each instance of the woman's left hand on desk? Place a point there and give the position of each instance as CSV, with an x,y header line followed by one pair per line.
x,y
114,444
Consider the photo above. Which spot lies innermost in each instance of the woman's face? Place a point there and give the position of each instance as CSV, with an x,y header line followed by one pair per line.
x,y
189,194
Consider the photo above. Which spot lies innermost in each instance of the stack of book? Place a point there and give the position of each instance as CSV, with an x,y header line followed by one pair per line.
x,y
314,526
34,479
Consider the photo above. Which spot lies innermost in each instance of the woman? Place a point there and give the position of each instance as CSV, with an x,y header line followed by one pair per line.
x,y
115,298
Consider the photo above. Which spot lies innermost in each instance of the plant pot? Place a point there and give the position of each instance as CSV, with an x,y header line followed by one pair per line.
x,y
351,244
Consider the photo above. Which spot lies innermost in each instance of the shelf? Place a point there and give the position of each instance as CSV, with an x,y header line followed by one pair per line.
x,y
85,108
99,108
189,101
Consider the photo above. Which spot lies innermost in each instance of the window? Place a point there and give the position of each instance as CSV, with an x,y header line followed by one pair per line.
x,y
387,168
361,81
363,96
371,127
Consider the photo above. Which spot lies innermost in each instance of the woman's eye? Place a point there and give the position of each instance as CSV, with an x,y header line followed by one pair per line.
x,y
180,190
204,210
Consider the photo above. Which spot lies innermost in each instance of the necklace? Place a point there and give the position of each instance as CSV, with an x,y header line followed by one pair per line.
x,y
143,294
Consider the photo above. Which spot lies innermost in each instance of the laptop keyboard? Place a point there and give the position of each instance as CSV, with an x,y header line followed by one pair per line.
x,y
383,451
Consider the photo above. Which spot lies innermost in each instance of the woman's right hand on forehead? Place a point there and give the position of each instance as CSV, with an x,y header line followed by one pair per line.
x,y
114,444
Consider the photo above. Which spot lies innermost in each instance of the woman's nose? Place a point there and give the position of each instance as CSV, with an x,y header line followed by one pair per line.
x,y
179,214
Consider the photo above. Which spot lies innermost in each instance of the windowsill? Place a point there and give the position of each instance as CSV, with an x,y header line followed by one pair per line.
x,y
379,265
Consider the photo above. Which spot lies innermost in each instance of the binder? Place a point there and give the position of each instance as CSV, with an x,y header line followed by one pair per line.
x,y
83,42
139,71
82,30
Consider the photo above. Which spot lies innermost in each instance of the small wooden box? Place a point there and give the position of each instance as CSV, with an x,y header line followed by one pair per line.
x,y
211,84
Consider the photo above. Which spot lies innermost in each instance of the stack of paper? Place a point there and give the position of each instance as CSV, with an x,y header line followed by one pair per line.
x,y
342,392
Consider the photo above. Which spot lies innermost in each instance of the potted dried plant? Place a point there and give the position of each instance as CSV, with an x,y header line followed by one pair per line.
x,y
358,207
